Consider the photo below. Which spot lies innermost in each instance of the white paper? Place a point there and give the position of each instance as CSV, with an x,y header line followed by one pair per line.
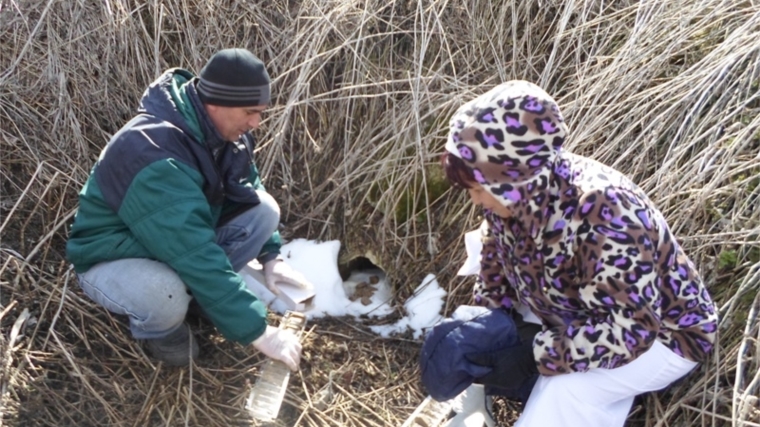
x,y
473,245
295,297
291,297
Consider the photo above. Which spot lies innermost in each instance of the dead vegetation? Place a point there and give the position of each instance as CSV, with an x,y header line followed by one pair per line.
x,y
664,90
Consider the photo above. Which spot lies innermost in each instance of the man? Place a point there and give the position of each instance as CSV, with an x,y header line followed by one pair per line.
x,y
174,207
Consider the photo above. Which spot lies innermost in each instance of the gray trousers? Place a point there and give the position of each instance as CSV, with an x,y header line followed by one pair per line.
x,y
152,295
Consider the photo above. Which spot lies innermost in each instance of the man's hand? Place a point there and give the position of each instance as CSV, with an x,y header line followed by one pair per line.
x,y
280,344
277,270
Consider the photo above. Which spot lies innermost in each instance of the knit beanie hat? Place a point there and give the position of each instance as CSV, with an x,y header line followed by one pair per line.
x,y
234,78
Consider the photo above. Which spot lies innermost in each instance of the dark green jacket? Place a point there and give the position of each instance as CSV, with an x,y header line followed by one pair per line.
x,y
161,186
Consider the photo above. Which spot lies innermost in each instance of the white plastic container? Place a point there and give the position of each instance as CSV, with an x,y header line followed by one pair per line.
x,y
266,397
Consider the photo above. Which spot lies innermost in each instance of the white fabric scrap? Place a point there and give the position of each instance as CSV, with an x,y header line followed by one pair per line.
x,y
470,408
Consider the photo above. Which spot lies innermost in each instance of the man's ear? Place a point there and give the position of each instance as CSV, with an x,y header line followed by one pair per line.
x,y
213,112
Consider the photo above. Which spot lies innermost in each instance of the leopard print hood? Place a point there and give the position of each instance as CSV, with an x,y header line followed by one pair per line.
x,y
511,137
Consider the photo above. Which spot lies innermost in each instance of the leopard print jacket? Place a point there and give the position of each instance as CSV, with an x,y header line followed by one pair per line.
x,y
585,249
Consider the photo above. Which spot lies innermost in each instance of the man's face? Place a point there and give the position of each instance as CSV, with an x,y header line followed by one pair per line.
x,y
231,122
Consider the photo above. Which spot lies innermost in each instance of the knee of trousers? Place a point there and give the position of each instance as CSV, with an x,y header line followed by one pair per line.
x,y
269,211
570,400
165,311
592,388
564,387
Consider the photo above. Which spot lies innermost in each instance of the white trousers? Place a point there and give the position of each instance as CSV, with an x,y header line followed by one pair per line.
x,y
601,397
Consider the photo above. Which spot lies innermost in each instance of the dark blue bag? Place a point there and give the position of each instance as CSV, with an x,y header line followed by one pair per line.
x,y
445,370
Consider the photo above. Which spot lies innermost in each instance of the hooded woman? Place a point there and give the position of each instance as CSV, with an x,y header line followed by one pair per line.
x,y
623,309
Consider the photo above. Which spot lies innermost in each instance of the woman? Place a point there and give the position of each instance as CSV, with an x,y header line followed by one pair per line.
x,y
580,245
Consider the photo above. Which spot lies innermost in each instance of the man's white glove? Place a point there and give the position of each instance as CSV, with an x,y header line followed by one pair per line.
x,y
277,270
280,344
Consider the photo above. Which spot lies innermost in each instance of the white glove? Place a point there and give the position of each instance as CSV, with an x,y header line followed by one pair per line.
x,y
280,344
277,270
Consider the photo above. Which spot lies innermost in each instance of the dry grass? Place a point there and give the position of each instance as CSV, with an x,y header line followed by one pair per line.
x,y
664,90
